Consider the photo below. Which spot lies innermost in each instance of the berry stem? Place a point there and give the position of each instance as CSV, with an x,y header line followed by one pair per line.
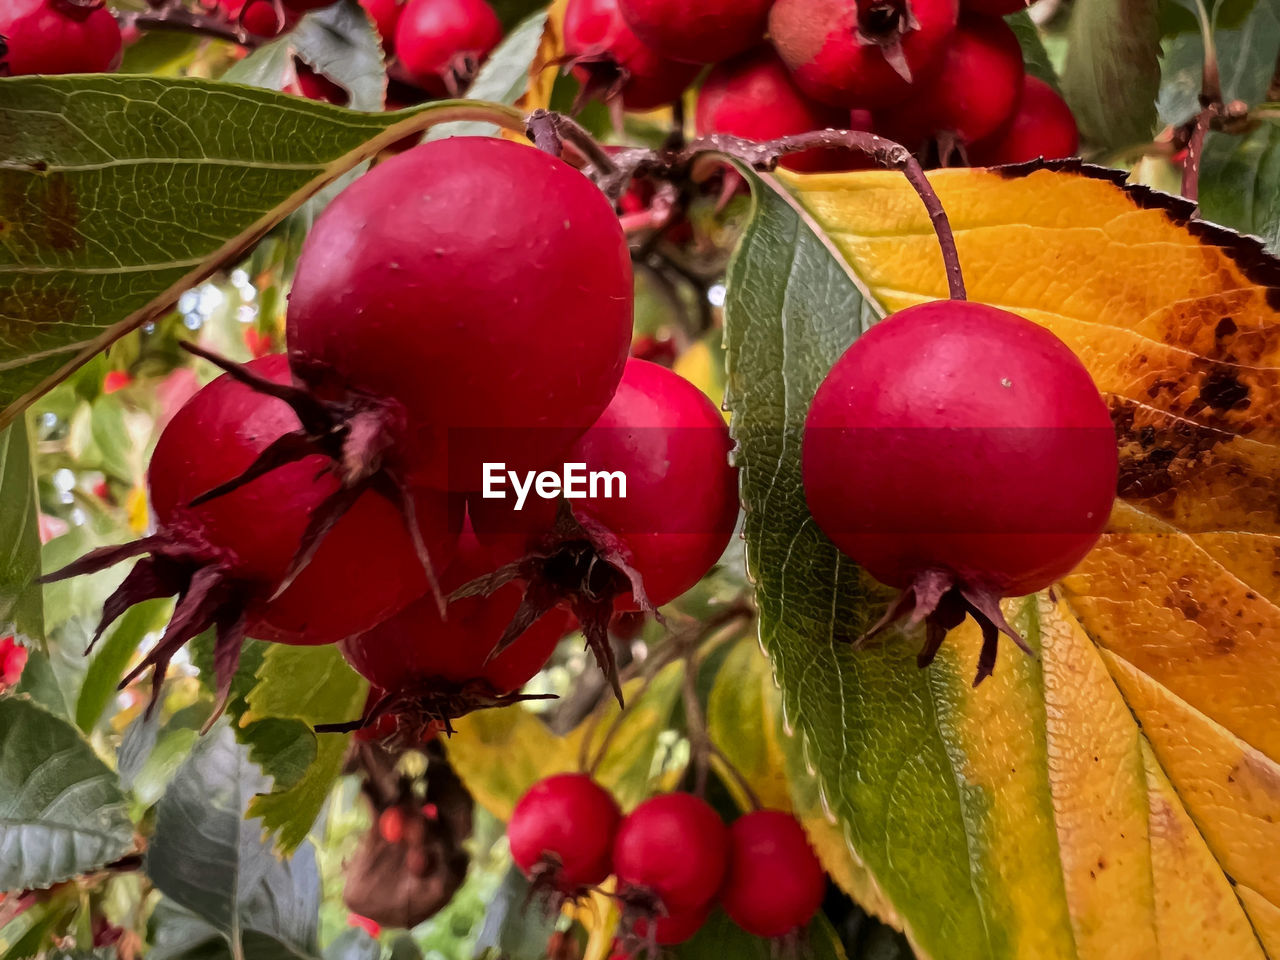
x,y
550,131
176,18
699,738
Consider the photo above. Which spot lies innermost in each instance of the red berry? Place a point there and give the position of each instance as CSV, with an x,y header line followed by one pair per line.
x,y
868,53
116,380
13,660
705,32
386,16
226,557
391,825
995,8
57,36
415,654
671,930
495,328
975,92
316,86
775,883
610,60
441,43
258,17
1004,411
753,96
675,848
565,825
1043,127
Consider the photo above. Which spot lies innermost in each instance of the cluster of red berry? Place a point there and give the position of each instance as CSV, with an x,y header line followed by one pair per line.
x,y
944,77
435,327
673,858
57,36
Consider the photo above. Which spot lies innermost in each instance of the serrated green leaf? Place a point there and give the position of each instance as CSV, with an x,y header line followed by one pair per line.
x,y
61,810
1112,72
119,192
1240,182
21,604
284,748
311,685
210,859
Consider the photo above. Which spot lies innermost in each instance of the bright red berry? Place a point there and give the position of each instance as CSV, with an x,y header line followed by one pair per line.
x,y
1044,126
386,17
868,53
670,930
670,855
13,660
227,558
704,32
753,96
259,17
116,380
478,327
974,93
1004,411
442,43
611,61
57,36
562,831
774,884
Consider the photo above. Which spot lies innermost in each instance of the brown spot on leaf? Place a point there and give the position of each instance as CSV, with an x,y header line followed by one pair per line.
x,y
1223,391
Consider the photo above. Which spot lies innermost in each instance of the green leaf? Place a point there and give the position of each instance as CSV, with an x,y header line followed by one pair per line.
x,y
120,192
1112,72
21,604
309,685
720,938
1033,52
353,944
516,931
112,656
1240,182
210,859
61,810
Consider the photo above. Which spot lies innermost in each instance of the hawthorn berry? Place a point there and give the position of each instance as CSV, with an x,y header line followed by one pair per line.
x,y
670,856
57,36
610,61
253,562
975,91
868,53
1044,126
704,32
670,930
754,96
442,43
13,660
561,833
1007,414
450,323
259,17
774,884
385,15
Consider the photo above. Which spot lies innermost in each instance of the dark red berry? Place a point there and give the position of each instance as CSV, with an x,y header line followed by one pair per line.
x,y
442,43
774,884
976,90
868,53
611,61
475,328
57,36
670,855
1043,127
753,96
705,32
562,832
1004,411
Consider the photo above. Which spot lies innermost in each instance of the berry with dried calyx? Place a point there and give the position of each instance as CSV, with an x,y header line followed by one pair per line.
x,y
561,834
57,36
705,32
442,43
670,857
866,54
1007,416
610,61
1044,126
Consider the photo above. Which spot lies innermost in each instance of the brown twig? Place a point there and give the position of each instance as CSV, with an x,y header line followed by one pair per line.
x,y
178,19
550,131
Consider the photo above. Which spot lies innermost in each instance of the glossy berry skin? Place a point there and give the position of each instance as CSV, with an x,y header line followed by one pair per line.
x,y
57,36
705,32
672,930
365,568
753,96
258,17
774,883
498,329
975,92
435,37
841,51
959,437
417,647
995,8
385,15
1044,126
675,847
567,822
610,59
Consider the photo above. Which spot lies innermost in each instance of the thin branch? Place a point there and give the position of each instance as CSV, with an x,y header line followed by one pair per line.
x,y
1195,151
753,798
178,19
550,131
